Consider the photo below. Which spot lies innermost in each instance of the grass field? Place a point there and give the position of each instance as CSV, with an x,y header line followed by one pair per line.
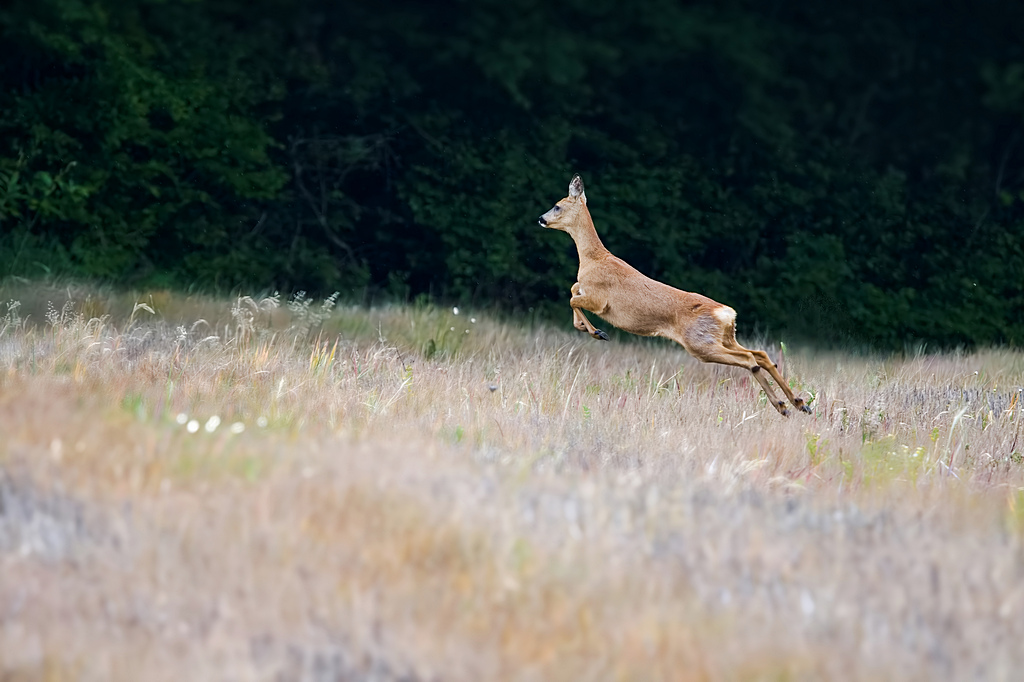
x,y
199,489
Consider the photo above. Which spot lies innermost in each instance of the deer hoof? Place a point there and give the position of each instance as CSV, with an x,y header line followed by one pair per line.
x,y
598,334
806,409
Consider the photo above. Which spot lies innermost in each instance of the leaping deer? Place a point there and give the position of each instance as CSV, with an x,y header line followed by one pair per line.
x,y
633,302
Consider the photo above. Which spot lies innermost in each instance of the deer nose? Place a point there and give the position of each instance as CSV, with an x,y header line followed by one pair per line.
x,y
542,222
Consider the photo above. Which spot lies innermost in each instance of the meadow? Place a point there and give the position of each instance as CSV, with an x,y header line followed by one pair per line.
x,y
276,488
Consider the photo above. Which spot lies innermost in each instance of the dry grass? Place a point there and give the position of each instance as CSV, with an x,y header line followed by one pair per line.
x,y
404,493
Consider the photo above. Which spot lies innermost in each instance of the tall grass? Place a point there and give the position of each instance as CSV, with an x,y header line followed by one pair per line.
x,y
193,488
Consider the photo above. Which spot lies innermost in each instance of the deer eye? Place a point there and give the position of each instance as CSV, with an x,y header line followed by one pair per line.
x,y
557,208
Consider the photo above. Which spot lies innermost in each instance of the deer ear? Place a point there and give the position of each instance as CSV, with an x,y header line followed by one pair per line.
x,y
576,188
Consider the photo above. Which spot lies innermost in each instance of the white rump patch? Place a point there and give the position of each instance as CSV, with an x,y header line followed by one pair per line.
x,y
726,314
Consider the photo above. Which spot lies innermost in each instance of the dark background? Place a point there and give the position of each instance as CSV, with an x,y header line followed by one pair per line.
x,y
847,172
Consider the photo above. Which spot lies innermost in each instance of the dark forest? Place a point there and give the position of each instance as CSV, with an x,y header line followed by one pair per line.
x,y
843,172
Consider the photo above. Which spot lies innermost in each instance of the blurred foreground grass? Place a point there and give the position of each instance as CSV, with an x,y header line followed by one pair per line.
x,y
271,488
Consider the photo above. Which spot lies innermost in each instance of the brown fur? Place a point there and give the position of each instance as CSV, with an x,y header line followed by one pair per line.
x,y
619,293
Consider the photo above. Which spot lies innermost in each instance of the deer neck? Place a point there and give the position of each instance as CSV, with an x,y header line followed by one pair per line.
x,y
583,232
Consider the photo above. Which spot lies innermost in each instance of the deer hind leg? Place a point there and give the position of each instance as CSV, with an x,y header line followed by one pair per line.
x,y
766,362
579,319
739,358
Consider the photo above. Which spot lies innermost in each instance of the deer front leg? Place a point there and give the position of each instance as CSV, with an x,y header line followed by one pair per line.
x,y
579,320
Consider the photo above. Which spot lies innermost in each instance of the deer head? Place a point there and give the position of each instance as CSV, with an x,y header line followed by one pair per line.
x,y
564,213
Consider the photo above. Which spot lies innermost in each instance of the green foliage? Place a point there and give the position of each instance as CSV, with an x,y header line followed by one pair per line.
x,y
833,172
128,135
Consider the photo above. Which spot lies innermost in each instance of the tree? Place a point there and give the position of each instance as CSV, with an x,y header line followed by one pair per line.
x,y
835,171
